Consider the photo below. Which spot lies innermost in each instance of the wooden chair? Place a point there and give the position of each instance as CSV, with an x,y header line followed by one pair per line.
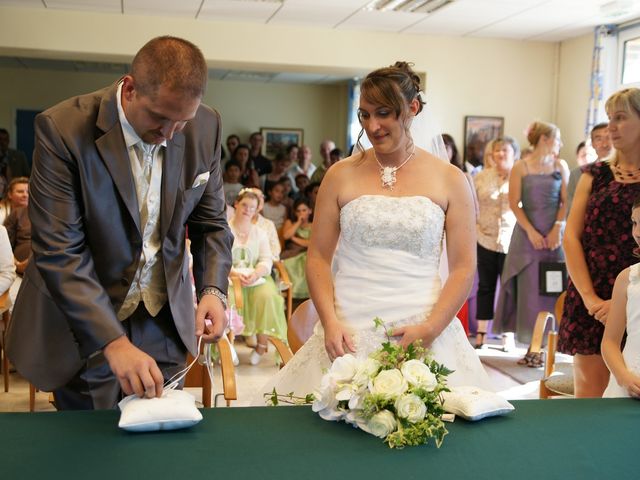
x,y
5,305
198,376
562,382
5,319
301,325
285,287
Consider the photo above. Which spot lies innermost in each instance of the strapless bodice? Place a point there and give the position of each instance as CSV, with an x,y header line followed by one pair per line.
x,y
387,259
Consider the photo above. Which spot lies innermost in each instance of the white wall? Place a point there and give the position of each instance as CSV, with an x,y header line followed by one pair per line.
x,y
517,80
574,92
245,106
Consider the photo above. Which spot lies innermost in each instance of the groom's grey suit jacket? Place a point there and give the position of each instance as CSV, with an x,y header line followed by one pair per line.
x,y
86,235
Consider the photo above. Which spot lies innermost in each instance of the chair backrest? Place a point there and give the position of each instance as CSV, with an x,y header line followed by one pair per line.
x,y
301,325
557,310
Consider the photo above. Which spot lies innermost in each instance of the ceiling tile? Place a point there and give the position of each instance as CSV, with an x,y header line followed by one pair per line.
x,y
248,11
108,6
187,8
382,21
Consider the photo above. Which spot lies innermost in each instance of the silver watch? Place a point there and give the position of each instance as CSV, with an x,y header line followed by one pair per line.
x,y
213,291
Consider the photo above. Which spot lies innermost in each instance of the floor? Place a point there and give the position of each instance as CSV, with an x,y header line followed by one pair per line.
x,y
249,379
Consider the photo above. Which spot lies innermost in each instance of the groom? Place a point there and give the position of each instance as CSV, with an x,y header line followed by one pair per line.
x,y
106,305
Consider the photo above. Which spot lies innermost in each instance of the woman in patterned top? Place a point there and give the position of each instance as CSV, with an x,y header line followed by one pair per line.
x,y
494,227
598,243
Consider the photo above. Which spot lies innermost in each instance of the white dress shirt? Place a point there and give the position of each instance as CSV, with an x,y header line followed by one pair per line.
x,y
149,284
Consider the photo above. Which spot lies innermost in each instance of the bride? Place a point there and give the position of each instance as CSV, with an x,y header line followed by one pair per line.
x,y
379,225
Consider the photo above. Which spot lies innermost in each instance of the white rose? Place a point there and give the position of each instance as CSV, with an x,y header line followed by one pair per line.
x,y
389,383
381,424
411,407
324,397
365,372
419,375
344,368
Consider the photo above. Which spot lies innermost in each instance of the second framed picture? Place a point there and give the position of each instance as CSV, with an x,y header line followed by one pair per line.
x,y
478,131
275,140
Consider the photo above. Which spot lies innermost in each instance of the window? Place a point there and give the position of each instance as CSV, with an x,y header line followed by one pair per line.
x,y
629,57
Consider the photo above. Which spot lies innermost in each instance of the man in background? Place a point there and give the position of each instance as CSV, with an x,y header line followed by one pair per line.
x,y
601,143
13,163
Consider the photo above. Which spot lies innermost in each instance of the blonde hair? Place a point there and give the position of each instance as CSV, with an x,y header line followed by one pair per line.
x,y
538,129
487,157
627,99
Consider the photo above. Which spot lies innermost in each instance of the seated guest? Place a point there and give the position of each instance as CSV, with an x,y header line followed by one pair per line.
x,y
231,185
325,153
19,230
292,155
248,176
17,195
311,193
273,208
267,225
302,182
263,306
279,171
233,141
288,192
13,163
297,232
304,165
259,162
7,265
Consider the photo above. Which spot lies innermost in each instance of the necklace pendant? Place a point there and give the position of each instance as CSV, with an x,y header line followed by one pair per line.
x,y
388,177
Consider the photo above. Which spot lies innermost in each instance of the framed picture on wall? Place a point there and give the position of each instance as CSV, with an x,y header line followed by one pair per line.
x,y
275,140
478,131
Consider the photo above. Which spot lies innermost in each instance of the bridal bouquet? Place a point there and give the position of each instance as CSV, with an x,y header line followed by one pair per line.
x,y
393,394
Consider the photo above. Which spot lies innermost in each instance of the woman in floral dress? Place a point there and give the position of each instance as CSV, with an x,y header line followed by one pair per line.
x,y
598,243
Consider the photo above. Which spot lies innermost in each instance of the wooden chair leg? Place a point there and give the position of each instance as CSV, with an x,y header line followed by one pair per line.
x,y
6,318
283,350
5,368
32,397
228,371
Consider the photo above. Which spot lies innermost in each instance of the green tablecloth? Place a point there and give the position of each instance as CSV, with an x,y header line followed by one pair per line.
x,y
540,439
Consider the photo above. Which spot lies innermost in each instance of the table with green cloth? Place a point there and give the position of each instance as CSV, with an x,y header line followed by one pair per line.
x,y
588,438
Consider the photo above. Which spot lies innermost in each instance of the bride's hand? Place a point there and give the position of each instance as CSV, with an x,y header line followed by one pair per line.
x,y
337,341
411,333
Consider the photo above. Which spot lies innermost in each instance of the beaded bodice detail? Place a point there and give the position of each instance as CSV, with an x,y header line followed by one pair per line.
x,y
411,224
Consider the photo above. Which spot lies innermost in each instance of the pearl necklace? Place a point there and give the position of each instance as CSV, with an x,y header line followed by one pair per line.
x,y
622,175
388,174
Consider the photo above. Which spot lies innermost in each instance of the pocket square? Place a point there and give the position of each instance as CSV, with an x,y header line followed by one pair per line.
x,y
200,180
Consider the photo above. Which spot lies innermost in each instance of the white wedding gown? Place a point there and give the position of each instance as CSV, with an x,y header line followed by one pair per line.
x,y
386,265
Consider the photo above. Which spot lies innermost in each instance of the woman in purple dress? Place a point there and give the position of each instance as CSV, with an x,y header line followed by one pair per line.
x,y
537,192
598,243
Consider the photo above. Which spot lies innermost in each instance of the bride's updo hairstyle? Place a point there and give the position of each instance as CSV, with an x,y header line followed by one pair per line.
x,y
394,87
538,129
